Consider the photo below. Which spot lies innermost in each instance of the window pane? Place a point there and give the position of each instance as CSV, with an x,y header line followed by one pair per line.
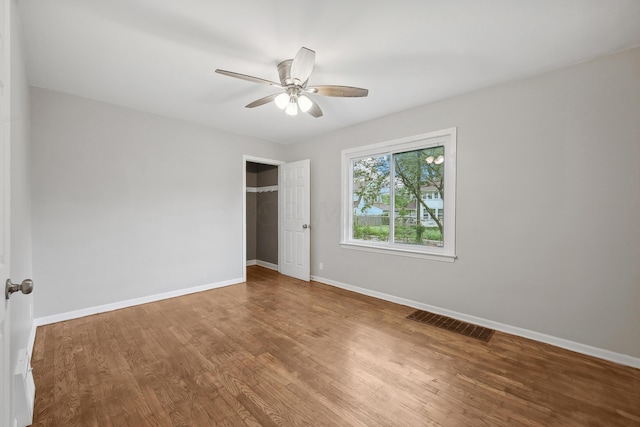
x,y
419,215
371,198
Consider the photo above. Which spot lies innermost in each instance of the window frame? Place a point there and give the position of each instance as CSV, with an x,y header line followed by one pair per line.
x,y
446,138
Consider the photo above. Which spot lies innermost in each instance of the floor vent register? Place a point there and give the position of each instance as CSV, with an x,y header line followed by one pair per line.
x,y
458,326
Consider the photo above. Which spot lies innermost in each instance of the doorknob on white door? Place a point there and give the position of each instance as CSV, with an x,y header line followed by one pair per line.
x,y
305,226
26,287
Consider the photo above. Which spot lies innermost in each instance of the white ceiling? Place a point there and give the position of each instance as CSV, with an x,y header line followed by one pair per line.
x,y
159,56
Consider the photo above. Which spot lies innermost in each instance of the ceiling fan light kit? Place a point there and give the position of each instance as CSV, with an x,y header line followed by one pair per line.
x,y
282,100
294,75
304,103
292,108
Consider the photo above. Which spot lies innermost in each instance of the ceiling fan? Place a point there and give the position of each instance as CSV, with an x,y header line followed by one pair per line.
x,y
294,75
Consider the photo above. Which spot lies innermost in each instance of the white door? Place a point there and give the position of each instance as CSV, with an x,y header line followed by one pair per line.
x,y
5,377
294,213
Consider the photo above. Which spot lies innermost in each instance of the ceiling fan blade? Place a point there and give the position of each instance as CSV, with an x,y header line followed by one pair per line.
x,y
342,91
248,78
315,110
262,101
302,64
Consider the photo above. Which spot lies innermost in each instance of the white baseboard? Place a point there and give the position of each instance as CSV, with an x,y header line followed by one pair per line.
x,y
600,353
268,265
261,263
46,320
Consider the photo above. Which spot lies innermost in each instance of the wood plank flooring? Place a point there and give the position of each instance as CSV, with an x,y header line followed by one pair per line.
x,y
278,351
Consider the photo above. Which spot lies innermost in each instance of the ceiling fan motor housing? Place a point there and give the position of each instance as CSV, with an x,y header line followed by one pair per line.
x,y
284,71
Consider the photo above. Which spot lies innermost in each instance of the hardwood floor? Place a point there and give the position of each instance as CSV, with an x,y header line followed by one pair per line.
x,y
278,351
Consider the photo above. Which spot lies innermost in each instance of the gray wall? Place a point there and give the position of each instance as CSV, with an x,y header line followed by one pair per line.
x,y
251,236
267,216
267,175
252,174
548,236
128,204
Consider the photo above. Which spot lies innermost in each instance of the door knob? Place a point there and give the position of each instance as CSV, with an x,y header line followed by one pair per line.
x,y
305,226
25,287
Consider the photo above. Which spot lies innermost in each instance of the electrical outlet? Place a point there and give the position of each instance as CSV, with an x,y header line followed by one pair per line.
x,y
321,266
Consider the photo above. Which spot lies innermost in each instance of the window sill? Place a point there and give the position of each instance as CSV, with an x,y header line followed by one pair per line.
x,y
398,252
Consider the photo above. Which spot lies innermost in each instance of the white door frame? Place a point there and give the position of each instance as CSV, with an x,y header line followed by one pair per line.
x,y
247,158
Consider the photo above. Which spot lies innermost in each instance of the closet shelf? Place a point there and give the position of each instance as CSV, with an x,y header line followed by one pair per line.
x,y
266,189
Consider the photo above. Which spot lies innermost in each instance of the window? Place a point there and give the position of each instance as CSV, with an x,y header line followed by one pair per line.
x,y
399,196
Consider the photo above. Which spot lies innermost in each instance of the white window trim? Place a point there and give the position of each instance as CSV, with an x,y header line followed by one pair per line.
x,y
446,138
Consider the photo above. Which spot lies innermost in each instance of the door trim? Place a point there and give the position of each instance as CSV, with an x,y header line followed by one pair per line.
x,y
248,158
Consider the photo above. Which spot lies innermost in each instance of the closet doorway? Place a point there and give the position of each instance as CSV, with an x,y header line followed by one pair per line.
x,y
261,216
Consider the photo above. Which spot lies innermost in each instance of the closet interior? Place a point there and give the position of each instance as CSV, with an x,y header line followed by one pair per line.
x,y
262,215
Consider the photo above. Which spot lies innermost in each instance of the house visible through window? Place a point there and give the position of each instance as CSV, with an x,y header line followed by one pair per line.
x,y
401,196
